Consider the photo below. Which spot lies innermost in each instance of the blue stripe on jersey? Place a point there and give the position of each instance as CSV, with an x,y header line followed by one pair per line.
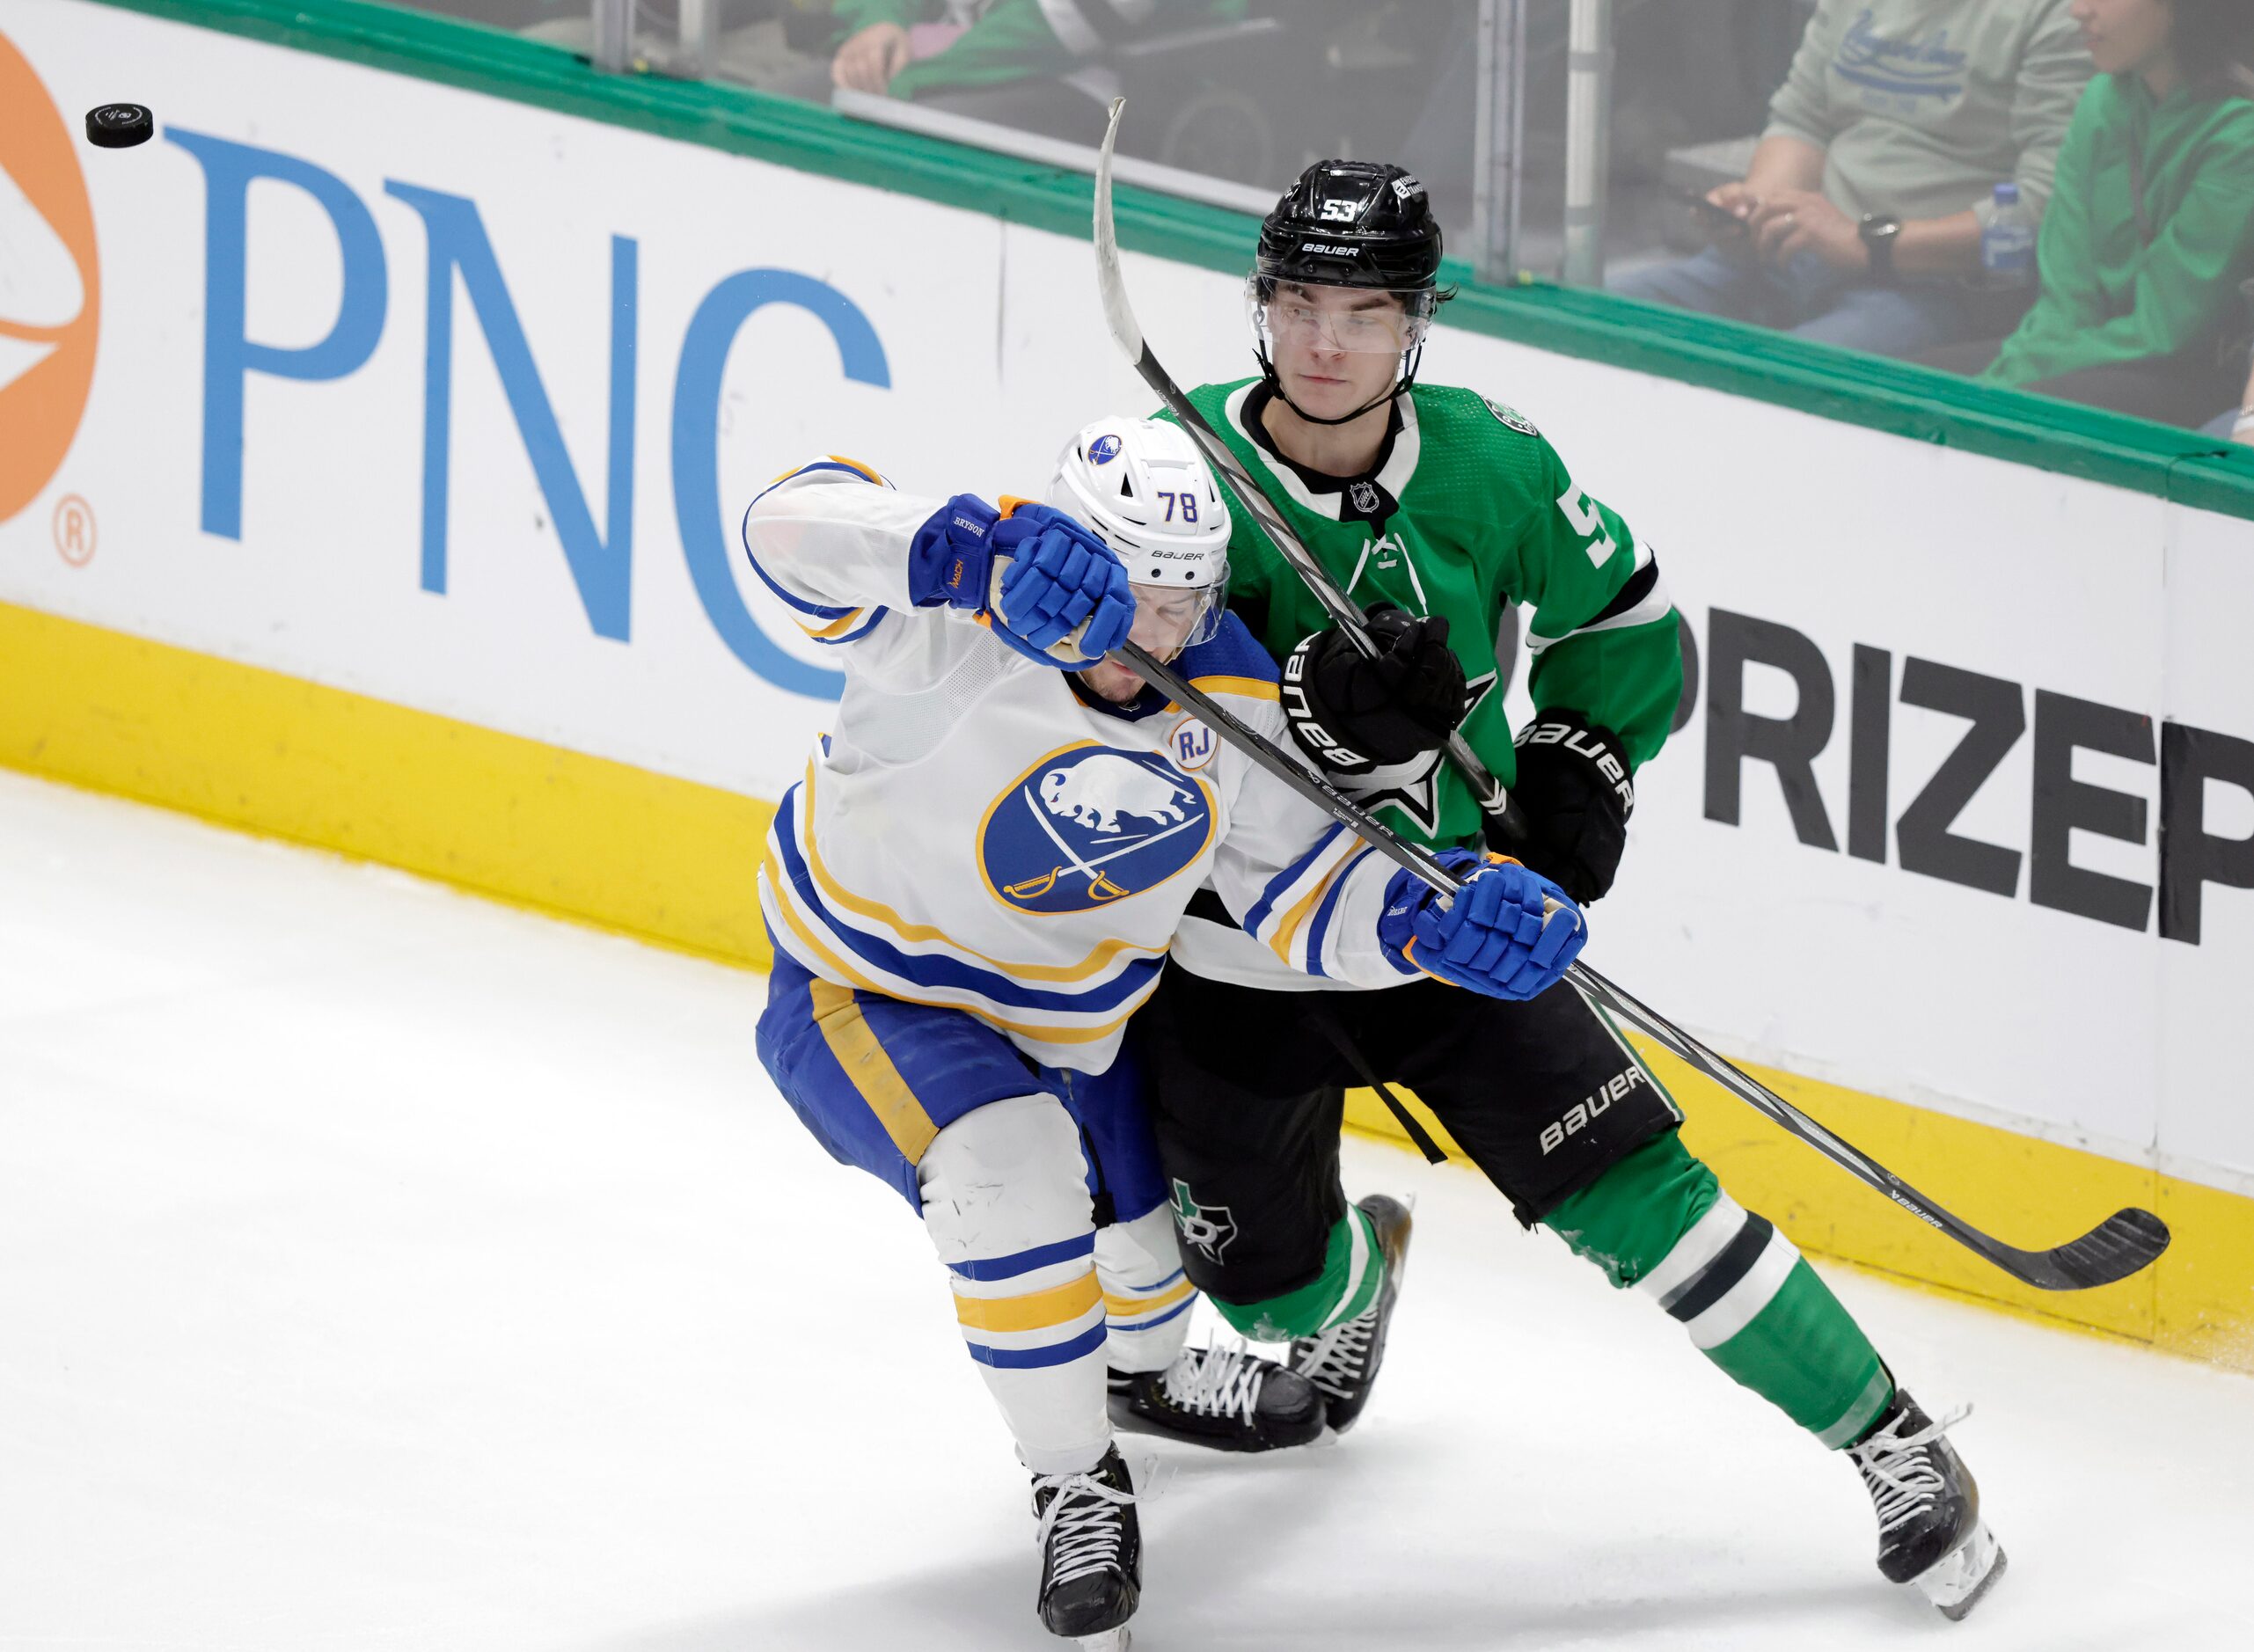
x,y
875,619
938,971
1231,651
798,602
1285,879
1120,1322
1019,1262
1034,1358
1319,925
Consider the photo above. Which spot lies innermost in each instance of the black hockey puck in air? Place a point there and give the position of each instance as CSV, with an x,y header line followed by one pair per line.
x,y
119,125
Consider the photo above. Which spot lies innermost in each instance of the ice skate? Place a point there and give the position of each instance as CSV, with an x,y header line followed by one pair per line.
x,y
1227,1400
1343,1361
1931,1533
1091,1553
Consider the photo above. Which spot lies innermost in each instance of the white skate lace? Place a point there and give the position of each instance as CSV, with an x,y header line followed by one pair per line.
x,y
1903,1477
1083,1514
1217,1382
1331,1359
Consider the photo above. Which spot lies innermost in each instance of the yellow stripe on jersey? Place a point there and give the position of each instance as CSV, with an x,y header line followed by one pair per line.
x,y
853,1042
837,627
855,465
773,873
1280,943
1060,1304
1096,963
1135,1307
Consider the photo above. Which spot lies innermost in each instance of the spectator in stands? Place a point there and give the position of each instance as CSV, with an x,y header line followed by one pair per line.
x,y
1859,221
1012,62
2151,225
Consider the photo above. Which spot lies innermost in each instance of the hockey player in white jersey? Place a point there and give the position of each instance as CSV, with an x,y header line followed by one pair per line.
x,y
975,886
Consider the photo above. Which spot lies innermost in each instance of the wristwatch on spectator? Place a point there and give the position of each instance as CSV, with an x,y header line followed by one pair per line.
x,y
1878,231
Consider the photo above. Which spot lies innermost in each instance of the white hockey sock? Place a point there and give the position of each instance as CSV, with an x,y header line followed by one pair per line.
x,y
1147,1298
1006,1201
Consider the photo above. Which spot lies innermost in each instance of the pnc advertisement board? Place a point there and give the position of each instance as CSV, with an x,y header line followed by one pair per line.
x,y
456,402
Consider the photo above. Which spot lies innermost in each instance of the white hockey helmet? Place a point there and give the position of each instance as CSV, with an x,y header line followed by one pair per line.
x,y
1145,490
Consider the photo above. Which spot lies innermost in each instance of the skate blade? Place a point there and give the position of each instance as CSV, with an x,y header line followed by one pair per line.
x,y
1110,1641
1956,1581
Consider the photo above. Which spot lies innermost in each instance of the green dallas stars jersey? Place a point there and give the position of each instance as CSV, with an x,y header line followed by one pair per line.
x,y
1469,509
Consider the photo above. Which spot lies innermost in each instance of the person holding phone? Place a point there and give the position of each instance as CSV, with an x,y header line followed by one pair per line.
x,y
2151,227
1859,221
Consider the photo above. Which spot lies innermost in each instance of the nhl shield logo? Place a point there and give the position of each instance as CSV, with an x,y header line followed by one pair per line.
x,y
1207,1227
1090,825
1364,495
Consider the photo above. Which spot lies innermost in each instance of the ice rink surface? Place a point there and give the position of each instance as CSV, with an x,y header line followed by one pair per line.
x,y
383,1269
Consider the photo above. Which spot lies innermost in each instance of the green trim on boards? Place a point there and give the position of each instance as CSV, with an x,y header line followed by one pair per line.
x,y
2183,466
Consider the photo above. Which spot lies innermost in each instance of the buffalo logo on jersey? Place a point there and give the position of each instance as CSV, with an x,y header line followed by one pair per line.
x,y
1090,825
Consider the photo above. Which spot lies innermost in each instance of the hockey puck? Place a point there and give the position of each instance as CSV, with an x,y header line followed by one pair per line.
x,y
119,125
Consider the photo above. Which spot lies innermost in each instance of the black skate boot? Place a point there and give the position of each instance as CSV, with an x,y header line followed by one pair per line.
x,y
1091,1553
1931,1533
1343,1361
1226,1398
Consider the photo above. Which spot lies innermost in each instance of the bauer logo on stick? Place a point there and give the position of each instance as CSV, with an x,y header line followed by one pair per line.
x,y
1091,825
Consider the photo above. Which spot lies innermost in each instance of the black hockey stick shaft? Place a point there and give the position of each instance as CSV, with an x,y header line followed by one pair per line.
x,y
1345,614
2123,1244
1412,857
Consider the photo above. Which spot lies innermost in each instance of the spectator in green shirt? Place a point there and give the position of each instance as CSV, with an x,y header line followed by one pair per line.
x,y
2151,224
1021,63
1859,223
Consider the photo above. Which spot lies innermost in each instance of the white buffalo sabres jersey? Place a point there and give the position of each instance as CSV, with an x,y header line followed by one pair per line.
x,y
975,834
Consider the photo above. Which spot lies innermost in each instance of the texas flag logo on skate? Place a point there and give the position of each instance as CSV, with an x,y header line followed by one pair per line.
x,y
1090,825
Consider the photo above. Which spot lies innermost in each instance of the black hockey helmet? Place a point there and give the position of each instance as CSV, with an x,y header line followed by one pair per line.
x,y
1352,224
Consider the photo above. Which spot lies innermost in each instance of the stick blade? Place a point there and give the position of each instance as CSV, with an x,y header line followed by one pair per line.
x,y
2123,1242
1110,281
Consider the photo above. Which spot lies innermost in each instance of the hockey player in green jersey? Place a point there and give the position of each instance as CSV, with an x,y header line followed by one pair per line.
x,y
1438,510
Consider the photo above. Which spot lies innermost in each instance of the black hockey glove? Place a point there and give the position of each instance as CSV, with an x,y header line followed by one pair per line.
x,y
1575,788
1352,714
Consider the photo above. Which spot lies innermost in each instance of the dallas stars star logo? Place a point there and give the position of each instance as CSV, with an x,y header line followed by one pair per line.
x,y
1419,800
1210,1227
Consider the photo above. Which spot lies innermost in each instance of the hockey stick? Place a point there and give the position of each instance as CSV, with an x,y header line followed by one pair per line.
x,y
2121,1245
1494,802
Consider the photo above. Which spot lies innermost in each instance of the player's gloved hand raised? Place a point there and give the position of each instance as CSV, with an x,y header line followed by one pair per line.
x,y
1575,788
1044,583
1508,932
1352,712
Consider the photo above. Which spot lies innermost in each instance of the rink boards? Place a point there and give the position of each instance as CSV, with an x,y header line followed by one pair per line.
x,y
374,449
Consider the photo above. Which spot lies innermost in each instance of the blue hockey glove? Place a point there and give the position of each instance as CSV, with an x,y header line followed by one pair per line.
x,y
1043,584
1508,932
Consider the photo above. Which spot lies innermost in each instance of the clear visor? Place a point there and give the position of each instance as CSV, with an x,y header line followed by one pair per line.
x,y
1169,618
1357,320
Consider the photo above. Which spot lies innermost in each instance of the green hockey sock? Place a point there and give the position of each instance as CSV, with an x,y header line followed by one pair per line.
x,y
1353,1268
1660,1222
